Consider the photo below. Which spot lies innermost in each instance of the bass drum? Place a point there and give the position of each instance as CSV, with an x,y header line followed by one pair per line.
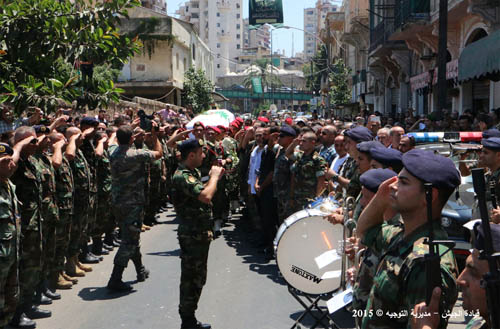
x,y
306,252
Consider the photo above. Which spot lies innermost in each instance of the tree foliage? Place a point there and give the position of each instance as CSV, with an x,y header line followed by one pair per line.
x,y
197,90
340,92
315,70
44,41
268,79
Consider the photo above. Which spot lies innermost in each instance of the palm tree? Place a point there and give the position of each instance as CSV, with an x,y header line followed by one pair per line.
x,y
264,71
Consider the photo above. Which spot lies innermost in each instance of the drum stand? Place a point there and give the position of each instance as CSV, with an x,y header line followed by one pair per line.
x,y
310,304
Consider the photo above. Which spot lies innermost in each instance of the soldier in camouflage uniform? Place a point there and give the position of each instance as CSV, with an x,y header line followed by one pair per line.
x,y
232,170
128,186
490,158
192,200
89,152
27,179
308,173
10,234
81,178
400,280
282,175
155,178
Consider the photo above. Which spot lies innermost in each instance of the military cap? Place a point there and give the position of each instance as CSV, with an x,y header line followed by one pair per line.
x,y
387,156
432,168
222,128
289,121
359,134
372,178
263,119
199,123
217,130
288,131
493,132
89,121
240,120
492,143
365,147
189,145
495,237
41,129
5,149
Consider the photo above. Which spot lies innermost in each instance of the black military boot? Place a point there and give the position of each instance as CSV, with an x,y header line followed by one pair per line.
x,y
40,298
115,283
192,323
97,248
142,271
47,291
20,320
85,257
108,241
33,312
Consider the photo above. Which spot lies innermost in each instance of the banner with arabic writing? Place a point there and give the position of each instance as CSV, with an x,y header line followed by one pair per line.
x,y
265,11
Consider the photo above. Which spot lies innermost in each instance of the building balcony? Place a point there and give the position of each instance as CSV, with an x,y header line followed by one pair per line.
x,y
336,21
411,11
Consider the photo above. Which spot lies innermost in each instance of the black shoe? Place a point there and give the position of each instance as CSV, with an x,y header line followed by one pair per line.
x,y
108,247
20,320
35,313
99,258
116,243
52,294
87,259
195,325
143,274
41,299
115,281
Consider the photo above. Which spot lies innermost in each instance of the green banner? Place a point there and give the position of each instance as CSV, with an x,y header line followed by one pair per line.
x,y
257,85
265,11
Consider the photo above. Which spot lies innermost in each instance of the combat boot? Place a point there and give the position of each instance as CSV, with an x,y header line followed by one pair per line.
x,y
83,267
192,323
108,241
62,283
115,282
69,278
20,320
33,312
85,256
97,248
72,268
47,291
141,270
40,299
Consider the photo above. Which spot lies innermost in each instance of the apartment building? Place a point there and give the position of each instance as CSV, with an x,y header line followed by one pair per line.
x,y
254,38
314,22
220,25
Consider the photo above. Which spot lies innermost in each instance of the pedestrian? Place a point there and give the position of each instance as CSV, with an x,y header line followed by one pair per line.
x,y
192,202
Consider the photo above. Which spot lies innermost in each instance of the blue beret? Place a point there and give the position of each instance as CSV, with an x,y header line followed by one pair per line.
x,y
493,132
359,134
495,237
492,143
365,147
89,121
5,149
372,178
41,129
387,156
432,168
288,131
190,144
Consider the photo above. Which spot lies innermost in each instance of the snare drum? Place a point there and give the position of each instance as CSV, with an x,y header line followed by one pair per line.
x,y
306,252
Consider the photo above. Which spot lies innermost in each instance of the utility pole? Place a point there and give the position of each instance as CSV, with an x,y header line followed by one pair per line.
x,y
442,54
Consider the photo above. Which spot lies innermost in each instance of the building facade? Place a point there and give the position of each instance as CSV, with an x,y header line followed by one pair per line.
x,y
220,25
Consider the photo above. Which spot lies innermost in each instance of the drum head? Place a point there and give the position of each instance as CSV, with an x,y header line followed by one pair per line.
x,y
306,252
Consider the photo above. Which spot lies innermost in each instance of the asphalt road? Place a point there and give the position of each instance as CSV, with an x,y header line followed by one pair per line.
x,y
243,291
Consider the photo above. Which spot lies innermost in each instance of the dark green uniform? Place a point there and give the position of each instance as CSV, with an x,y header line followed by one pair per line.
x,y
306,170
88,150
400,280
128,197
106,220
195,234
10,234
281,183
64,188
27,179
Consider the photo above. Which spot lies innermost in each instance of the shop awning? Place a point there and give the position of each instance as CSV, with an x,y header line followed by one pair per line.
x,y
481,59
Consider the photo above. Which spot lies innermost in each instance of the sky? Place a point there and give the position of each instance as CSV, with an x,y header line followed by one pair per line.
x,y
293,12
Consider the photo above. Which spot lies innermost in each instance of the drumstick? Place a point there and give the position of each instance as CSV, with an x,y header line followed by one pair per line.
x,y
325,238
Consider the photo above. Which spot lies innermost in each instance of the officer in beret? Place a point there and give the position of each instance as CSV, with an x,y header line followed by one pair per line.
x,y
192,201
386,158
128,197
473,292
400,279
490,158
493,132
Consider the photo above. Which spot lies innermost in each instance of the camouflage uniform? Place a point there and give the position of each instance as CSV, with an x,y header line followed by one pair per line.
x,y
50,213
154,197
106,220
220,201
27,179
127,192
350,171
64,188
368,267
195,234
493,179
306,169
233,170
10,234
281,183
400,281
477,322
88,151
147,184
79,225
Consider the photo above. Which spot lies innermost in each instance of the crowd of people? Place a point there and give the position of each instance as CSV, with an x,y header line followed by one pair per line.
x,y
61,171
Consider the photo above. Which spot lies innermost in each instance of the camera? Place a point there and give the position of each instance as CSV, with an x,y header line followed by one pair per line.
x,y
146,121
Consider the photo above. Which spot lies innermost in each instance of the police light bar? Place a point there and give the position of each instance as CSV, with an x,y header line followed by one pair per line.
x,y
431,137
471,136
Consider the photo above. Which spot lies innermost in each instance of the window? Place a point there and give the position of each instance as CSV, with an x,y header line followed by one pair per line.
x,y
238,16
177,61
218,45
310,12
218,24
238,26
185,64
195,15
238,6
238,36
140,67
238,46
218,14
194,52
218,66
